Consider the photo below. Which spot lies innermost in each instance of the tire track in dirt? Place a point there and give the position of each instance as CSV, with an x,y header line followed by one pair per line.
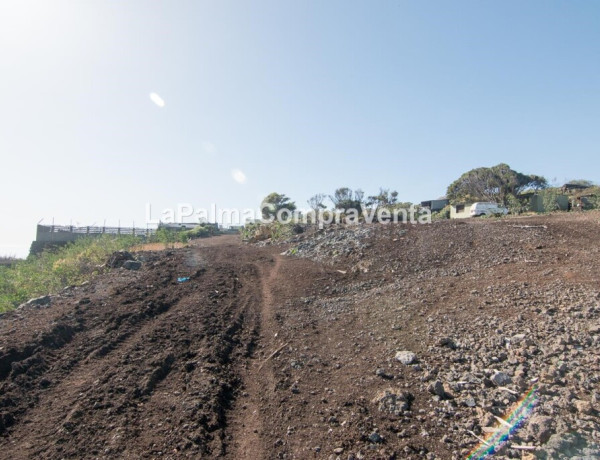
x,y
131,383
246,425
66,358
67,396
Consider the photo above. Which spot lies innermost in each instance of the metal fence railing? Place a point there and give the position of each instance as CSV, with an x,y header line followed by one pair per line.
x,y
47,230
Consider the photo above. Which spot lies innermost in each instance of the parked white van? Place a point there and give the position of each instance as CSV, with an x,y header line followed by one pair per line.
x,y
485,208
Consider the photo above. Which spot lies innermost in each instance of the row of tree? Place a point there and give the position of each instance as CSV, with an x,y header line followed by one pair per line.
x,y
343,199
500,184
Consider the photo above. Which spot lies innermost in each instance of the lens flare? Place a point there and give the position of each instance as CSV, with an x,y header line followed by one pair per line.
x,y
494,441
238,176
159,101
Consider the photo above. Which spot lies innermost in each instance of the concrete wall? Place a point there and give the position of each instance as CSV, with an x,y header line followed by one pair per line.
x,y
435,205
457,213
51,234
563,202
536,203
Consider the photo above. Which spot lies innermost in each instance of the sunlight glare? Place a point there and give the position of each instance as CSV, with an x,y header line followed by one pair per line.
x,y
159,101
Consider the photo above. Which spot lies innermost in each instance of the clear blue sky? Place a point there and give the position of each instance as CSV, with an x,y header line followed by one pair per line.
x,y
301,96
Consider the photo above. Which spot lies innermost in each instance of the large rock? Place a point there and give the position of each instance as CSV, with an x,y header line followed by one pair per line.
x,y
437,388
406,357
39,301
117,259
132,264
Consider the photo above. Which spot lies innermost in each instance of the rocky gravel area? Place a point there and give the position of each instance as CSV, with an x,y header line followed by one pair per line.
x,y
465,320
484,366
332,243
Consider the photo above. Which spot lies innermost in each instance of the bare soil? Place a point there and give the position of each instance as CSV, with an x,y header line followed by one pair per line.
x,y
280,351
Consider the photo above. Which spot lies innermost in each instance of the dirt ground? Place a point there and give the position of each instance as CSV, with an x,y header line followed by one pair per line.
x,y
285,350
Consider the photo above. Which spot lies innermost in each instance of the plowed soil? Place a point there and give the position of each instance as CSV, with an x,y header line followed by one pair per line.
x,y
264,355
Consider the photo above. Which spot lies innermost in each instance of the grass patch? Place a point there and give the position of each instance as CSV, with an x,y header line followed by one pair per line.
x,y
171,237
53,270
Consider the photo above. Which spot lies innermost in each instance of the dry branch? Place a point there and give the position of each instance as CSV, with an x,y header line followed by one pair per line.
x,y
272,355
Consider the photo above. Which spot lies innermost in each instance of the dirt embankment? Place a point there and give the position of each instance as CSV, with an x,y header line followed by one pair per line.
x,y
264,355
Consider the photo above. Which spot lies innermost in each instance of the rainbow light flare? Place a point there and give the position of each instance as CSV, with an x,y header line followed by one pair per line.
x,y
494,441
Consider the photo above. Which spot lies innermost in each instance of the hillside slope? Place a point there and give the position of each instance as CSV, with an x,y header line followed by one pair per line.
x,y
292,351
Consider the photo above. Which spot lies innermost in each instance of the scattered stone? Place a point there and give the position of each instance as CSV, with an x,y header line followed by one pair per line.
x,y
393,401
501,379
437,388
384,375
540,428
294,388
375,438
117,259
584,407
132,265
470,402
447,342
406,357
39,301
517,338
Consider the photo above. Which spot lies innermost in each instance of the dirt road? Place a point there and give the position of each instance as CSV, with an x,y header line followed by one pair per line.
x,y
137,364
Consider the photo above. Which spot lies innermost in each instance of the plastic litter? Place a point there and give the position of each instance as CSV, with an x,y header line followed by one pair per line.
x,y
183,279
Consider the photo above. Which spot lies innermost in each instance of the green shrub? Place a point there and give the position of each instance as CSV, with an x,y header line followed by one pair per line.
x,y
263,231
202,231
166,236
170,236
516,205
441,214
550,199
594,201
52,270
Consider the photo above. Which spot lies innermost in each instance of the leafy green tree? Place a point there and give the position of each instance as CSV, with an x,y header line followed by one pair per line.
x,y
275,202
495,184
385,198
345,198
